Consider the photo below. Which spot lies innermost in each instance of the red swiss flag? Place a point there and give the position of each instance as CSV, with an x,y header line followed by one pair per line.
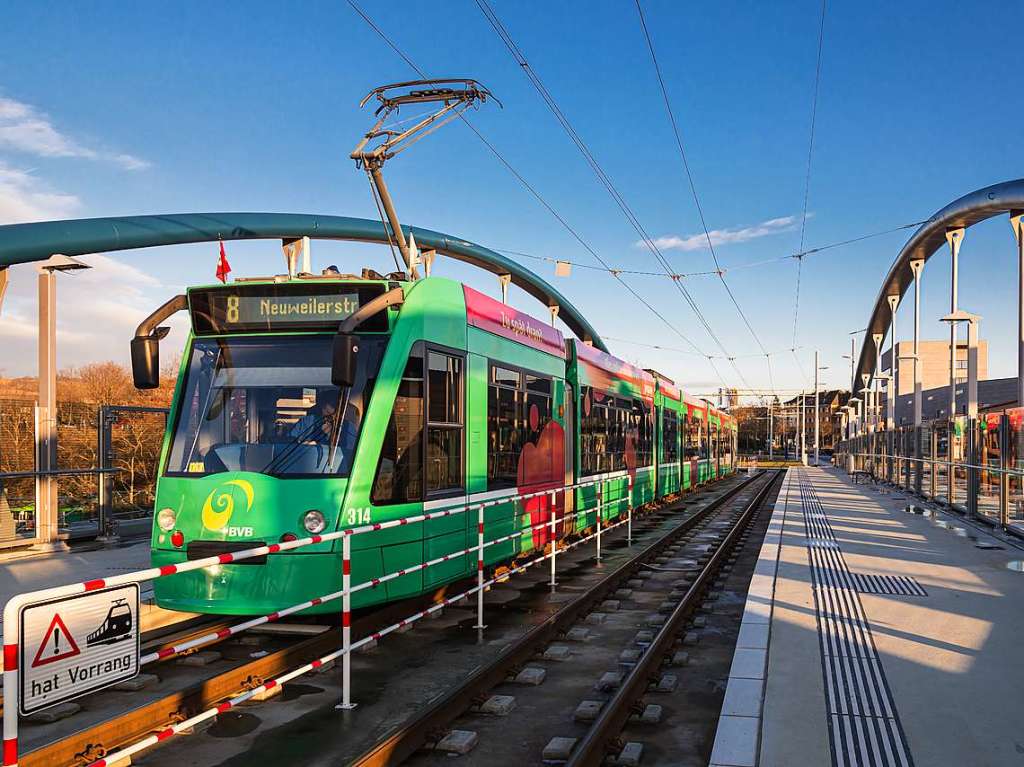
x,y
223,267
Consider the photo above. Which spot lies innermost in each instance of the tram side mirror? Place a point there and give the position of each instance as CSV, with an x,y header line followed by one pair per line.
x,y
344,361
146,359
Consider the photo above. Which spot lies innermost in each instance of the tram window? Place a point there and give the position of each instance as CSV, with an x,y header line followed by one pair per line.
x,y
519,408
642,432
704,438
669,436
506,377
267,405
399,477
610,424
691,436
444,422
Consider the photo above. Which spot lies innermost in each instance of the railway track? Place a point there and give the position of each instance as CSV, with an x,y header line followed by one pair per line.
x,y
709,535
79,743
69,743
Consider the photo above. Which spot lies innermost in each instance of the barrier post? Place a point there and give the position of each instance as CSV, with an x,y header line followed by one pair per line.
x,y
346,624
554,541
10,669
480,569
600,494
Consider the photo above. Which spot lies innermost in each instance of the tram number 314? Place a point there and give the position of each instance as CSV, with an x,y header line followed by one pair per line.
x,y
357,516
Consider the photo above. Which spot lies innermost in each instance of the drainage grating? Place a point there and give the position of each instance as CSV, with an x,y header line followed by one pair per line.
x,y
864,727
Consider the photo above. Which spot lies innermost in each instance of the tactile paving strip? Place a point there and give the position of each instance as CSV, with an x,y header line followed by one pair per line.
x,y
864,726
896,585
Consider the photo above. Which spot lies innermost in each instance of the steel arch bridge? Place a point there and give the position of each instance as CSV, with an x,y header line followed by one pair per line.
x,y
946,227
26,243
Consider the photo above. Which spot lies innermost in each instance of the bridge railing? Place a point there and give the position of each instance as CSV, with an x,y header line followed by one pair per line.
x,y
549,530
972,466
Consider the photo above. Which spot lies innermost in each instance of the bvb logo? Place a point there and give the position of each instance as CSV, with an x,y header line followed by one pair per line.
x,y
220,503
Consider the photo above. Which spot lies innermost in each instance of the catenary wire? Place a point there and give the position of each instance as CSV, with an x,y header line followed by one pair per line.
x,y
599,172
533,191
529,187
807,177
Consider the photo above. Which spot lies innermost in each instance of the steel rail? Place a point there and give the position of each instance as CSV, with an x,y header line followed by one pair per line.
x,y
435,717
167,636
603,734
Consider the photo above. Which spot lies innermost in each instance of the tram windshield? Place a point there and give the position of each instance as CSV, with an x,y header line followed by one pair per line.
x,y
267,405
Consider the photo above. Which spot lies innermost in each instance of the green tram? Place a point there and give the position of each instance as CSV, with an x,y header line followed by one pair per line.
x,y
312,404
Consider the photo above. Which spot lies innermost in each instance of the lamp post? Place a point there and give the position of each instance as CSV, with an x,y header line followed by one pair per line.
x,y
803,429
973,322
47,508
817,426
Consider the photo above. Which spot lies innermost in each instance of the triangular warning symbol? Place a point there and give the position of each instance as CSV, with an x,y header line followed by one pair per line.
x,y
57,644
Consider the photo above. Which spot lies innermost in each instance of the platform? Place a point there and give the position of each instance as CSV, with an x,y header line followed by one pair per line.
x,y
29,571
875,636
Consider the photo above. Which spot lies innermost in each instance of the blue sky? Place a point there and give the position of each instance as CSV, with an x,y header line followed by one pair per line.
x,y
110,109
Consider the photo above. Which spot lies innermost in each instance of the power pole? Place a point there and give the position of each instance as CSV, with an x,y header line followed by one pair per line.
x,y
803,429
816,425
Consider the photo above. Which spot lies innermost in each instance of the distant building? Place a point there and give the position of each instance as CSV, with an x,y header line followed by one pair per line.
x,y
934,361
728,398
829,404
994,394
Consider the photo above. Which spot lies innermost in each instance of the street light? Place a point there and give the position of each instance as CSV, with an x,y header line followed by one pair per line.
x,y
817,414
47,509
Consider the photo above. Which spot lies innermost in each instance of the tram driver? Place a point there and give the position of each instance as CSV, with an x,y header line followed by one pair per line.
x,y
317,426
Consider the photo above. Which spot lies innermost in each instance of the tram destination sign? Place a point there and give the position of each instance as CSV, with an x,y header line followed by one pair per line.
x,y
286,307
77,644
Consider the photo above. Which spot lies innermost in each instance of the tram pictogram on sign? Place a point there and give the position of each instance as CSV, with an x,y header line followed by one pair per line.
x,y
77,644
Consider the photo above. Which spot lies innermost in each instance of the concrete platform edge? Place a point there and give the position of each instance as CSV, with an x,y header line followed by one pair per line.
x,y
738,737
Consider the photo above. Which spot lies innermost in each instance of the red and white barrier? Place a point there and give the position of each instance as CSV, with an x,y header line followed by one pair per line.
x,y
11,610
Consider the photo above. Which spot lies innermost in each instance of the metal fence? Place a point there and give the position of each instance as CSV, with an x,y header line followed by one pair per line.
x,y
107,457
973,466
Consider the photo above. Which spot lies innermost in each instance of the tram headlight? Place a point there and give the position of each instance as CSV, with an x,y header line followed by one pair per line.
x,y
166,519
314,521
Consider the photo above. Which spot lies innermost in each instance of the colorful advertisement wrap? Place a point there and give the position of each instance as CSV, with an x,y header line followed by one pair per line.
x,y
669,391
603,370
495,317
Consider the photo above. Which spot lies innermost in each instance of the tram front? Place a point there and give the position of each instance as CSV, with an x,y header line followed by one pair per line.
x,y
261,442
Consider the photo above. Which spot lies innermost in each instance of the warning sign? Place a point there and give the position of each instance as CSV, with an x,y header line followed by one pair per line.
x,y
75,645
60,639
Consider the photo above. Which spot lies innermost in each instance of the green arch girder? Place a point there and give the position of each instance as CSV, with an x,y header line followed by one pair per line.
x,y
25,243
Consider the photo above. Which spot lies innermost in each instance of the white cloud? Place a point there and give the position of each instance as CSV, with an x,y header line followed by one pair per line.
x,y
23,197
97,313
725,236
24,129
